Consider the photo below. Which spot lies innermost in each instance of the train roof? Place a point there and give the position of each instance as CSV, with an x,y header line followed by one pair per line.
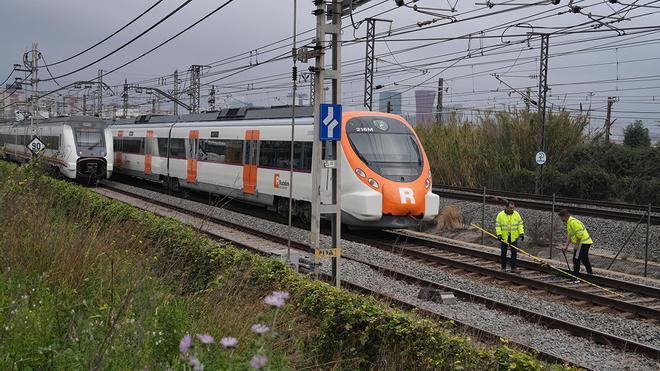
x,y
230,114
73,121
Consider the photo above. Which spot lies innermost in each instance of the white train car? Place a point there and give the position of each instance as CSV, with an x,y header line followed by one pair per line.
x,y
244,154
77,147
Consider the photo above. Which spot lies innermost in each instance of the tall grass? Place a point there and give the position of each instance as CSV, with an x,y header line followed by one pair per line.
x,y
497,148
82,293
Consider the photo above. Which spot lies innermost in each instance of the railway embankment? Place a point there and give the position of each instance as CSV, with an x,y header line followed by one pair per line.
x,y
89,282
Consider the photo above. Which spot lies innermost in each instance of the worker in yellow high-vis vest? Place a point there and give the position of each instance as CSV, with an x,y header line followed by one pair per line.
x,y
509,228
579,237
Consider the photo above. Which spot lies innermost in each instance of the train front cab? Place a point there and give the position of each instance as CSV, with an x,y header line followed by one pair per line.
x,y
93,146
387,183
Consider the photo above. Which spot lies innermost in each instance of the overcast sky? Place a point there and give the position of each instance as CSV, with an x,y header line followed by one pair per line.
x,y
583,67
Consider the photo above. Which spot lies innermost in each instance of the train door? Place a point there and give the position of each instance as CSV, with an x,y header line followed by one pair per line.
x,y
148,152
250,161
193,146
119,150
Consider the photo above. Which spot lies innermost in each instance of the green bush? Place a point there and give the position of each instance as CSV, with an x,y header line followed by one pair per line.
x,y
589,182
520,180
636,135
643,191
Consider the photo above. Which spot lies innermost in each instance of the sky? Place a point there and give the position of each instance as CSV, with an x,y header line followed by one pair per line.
x,y
615,52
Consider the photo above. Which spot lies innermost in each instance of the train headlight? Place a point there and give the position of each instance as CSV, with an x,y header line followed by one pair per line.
x,y
427,183
373,183
360,172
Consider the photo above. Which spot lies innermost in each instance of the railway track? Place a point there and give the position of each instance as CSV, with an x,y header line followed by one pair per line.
x,y
639,300
600,209
254,239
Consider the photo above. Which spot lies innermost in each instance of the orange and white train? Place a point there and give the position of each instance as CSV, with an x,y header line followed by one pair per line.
x,y
244,154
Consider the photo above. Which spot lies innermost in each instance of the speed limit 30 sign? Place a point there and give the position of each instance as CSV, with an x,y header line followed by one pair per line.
x,y
36,146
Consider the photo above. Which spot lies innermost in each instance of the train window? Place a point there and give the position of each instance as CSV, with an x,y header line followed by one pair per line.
x,y
162,146
302,156
133,145
117,144
386,146
276,154
51,142
234,152
211,150
177,148
90,138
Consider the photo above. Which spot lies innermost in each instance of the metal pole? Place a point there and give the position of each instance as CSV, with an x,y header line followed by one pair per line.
x,y
175,91
99,99
124,97
369,64
294,76
35,88
543,90
483,215
646,249
332,153
315,227
438,108
552,225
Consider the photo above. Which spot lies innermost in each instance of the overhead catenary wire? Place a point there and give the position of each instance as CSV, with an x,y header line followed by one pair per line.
x,y
126,43
106,38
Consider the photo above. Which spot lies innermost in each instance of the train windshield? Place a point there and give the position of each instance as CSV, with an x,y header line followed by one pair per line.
x,y
89,138
387,146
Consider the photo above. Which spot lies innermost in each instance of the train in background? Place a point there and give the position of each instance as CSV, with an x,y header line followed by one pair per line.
x,y
244,154
76,147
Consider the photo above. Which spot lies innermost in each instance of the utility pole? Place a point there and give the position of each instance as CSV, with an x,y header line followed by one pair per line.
x,y
84,105
212,98
99,98
543,90
438,108
608,122
175,90
124,97
528,92
312,79
332,149
195,74
34,83
369,61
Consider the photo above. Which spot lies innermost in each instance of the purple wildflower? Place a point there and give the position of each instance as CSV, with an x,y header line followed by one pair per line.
x,y
260,329
195,363
185,343
228,342
258,361
274,301
284,295
205,338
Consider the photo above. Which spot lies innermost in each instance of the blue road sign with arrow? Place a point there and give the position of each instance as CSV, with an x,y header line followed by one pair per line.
x,y
330,122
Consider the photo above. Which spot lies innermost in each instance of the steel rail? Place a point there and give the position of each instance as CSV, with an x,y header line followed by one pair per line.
x,y
522,200
548,198
552,287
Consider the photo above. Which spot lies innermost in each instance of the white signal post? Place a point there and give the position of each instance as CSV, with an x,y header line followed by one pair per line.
x,y
332,147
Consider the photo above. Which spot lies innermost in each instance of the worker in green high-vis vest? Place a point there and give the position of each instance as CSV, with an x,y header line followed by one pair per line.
x,y
579,237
